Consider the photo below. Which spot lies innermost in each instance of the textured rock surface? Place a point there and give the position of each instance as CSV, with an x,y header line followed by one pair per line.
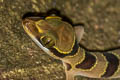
x,y
21,59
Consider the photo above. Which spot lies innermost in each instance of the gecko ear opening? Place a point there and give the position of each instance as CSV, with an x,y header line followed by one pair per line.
x,y
79,31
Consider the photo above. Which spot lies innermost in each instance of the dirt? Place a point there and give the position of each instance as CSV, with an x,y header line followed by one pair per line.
x,y
21,59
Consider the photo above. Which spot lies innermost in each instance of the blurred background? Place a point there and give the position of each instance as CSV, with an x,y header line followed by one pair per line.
x,y
21,59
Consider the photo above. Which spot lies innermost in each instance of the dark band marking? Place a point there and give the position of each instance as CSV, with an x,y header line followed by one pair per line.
x,y
88,62
61,55
68,66
113,63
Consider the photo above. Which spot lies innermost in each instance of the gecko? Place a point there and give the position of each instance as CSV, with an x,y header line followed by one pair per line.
x,y
60,40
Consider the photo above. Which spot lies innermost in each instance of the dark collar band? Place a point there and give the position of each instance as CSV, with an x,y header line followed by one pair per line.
x,y
61,55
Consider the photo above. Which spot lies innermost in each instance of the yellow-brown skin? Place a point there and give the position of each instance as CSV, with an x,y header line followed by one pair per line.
x,y
54,28
52,32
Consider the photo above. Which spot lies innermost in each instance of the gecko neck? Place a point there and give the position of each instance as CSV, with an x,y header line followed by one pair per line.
x,y
62,55
77,55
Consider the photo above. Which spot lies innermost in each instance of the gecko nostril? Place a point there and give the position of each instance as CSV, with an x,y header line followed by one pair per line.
x,y
25,22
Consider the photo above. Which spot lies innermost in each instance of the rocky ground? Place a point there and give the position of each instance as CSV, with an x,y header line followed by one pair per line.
x,y
21,59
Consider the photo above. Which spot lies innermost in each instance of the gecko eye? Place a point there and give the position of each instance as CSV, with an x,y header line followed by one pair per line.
x,y
47,41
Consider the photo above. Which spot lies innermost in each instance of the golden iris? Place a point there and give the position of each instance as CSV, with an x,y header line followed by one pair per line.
x,y
47,41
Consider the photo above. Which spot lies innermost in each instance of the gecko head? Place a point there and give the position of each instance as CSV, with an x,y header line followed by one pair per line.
x,y
50,32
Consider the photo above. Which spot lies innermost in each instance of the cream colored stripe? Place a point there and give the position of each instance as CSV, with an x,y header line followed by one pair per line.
x,y
105,65
93,65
